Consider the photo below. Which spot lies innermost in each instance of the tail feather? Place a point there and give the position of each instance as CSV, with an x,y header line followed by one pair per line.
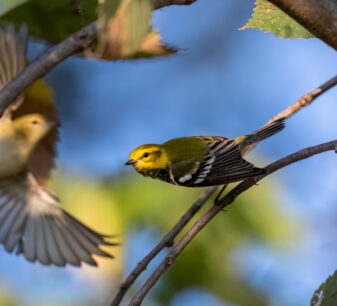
x,y
265,132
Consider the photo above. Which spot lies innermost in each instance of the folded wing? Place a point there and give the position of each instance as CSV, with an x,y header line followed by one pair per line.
x,y
223,164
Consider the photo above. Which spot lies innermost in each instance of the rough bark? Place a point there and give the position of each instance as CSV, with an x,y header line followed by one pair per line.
x,y
317,16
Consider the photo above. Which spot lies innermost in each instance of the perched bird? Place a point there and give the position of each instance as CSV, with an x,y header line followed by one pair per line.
x,y
201,160
31,219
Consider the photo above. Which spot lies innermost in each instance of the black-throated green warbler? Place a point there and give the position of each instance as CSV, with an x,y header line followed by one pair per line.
x,y
31,219
201,160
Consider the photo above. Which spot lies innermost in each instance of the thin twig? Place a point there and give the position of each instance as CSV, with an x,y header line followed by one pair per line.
x,y
76,42
166,241
305,100
212,212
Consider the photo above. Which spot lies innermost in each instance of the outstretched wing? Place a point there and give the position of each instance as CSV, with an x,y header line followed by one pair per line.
x,y
33,224
13,45
223,164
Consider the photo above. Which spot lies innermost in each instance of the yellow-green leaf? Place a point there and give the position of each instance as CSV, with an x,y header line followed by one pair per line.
x,y
7,5
268,17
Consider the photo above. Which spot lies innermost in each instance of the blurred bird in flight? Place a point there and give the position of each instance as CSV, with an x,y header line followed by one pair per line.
x,y
32,222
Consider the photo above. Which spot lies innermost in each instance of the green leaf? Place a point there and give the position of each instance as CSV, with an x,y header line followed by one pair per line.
x,y
7,5
326,294
123,25
51,20
268,17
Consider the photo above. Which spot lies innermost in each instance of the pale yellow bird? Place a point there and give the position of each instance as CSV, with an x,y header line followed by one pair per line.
x,y
31,219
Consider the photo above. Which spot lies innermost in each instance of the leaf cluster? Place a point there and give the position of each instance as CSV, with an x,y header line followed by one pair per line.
x,y
124,26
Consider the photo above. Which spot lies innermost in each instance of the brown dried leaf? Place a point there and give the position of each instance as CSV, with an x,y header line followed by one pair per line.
x,y
112,48
123,25
152,46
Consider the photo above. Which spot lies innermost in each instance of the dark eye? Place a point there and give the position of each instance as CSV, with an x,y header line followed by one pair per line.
x,y
145,154
35,122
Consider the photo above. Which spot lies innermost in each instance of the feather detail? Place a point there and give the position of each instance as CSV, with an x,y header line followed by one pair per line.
x,y
247,143
222,164
33,223
13,46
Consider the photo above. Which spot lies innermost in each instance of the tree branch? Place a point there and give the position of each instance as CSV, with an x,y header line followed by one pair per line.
x,y
166,241
317,16
220,205
305,100
53,56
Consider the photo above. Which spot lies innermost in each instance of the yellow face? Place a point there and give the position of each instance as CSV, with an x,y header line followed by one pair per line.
x,y
31,128
147,157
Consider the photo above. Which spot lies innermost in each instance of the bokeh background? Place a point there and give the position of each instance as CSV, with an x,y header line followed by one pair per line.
x,y
274,246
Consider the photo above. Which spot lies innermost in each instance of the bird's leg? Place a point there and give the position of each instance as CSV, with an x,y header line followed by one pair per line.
x,y
216,200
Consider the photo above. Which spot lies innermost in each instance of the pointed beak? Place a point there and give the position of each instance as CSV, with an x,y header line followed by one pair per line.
x,y
130,162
